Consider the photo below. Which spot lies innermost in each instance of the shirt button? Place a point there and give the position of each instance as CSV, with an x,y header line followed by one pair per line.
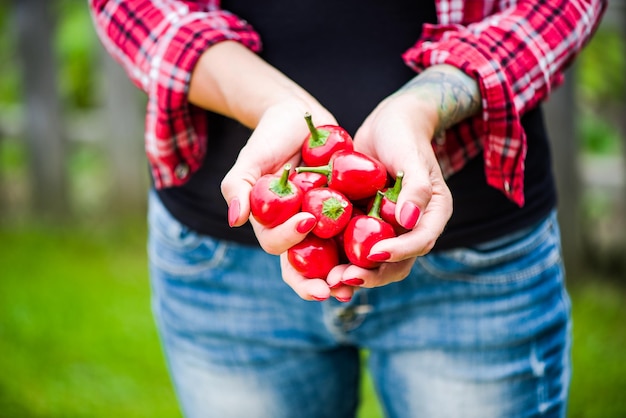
x,y
181,171
507,186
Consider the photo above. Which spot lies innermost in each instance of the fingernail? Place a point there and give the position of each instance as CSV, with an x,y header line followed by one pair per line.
x,y
348,299
409,215
233,212
336,285
379,256
306,225
319,299
353,282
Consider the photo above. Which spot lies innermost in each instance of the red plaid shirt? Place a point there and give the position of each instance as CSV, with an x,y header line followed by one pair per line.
x,y
517,50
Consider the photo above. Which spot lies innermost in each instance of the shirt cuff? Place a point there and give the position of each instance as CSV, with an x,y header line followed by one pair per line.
x,y
175,129
502,137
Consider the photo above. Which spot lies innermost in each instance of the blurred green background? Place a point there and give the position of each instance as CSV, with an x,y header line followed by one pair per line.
x,y
76,333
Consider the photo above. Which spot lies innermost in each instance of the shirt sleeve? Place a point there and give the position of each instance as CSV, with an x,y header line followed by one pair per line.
x,y
158,43
517,56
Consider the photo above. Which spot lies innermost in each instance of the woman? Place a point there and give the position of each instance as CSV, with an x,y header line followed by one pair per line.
x,y
469,315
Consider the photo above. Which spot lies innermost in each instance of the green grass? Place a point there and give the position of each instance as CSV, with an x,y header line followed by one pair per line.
x,y
77,337
599,378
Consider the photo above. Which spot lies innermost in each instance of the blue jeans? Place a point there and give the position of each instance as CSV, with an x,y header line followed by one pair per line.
x,y
475,332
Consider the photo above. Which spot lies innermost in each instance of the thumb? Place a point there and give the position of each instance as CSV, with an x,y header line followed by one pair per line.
x,y
236,187
414,197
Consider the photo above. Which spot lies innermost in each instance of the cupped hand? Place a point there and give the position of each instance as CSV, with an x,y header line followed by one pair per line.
x,y
231,80
276,141
399,133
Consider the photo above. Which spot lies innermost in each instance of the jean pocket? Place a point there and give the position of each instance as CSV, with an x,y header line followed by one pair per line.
x,y
178,250
516,257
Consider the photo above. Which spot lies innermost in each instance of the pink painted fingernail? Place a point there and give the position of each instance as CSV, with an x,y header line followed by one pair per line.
x,y
306,225
233,212
336,285
319,299
354,282
348,299
409,215
379,256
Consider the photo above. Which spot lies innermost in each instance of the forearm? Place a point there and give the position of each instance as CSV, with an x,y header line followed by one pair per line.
x,y
516,57
448,93
231,80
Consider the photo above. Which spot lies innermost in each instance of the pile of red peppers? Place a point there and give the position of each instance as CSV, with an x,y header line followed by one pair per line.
x,y
350,194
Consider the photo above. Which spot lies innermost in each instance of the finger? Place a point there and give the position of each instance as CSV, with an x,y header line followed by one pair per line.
x,y
417,242
334,276
307,289
340,291
236,187
415,195
422,238
255,159
430,226
279,239
343,293
381,276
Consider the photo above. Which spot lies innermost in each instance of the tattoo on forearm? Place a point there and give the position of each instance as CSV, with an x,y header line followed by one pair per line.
x,y
456,94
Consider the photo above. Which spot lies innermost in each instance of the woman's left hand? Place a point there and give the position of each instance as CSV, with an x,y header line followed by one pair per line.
x,y
399,133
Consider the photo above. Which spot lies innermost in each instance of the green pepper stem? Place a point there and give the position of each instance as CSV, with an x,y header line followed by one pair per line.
x,y
375,210
392,194
315,135
318,136
282,186
322,169
284,177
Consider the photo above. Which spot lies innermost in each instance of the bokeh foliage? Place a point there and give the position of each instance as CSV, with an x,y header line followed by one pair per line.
x,y
76,47
601,85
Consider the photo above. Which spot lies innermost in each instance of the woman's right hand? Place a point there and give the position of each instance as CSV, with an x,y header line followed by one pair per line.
x,y
233,81
277,140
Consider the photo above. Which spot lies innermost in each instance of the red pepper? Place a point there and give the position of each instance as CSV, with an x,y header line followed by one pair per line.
x,y
274,199
388,204
331,208
343,258
323,141
363,232
356,175
308,180
314,257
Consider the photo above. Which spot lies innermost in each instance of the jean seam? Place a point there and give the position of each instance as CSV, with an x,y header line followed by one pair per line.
x,y
545,234
218,258
552,259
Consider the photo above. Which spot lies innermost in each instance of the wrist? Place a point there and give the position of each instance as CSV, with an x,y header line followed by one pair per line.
x,y
445,94
418,111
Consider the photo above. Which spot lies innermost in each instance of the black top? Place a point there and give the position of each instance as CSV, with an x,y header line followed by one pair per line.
x,y
348,55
